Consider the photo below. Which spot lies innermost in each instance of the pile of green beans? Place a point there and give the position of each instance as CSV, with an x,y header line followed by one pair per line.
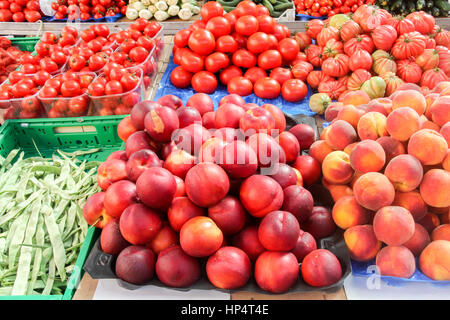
x,y
41,220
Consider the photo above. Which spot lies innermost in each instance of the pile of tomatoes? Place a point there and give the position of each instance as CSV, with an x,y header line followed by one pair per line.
x,y
328,7
245,49
87,9
20,10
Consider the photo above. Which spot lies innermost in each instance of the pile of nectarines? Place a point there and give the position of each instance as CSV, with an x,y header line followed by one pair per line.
x,y
386,163
223,187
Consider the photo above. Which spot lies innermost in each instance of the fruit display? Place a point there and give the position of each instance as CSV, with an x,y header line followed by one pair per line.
x,y
385,162
437,8
227,186
314,8
245,50
162,10
9,58
275,8
20,11
87,9
375,52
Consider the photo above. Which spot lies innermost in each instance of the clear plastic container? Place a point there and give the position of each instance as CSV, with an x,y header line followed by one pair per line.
x,y
159,44
62,107
121,103
23,108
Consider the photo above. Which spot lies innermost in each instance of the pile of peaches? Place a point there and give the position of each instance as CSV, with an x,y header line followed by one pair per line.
x,y
386,163
221,190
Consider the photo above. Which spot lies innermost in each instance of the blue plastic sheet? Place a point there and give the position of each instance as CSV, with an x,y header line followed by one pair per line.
x,y
305,17
166,87
364,269
104,19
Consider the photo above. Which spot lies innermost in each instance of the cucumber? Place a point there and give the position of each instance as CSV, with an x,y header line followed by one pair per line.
x,y
283,6
269,6
273,2
227,8
229,3
420,4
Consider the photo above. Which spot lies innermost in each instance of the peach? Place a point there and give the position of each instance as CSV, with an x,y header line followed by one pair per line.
x,y
430,98
200,237
228,214
257,120
94,211
446,161
381,105
247,240
418,241
181,210
229,268
320,223
279,231
323,134
161,122
181,190
276,271
211,150
278,115
111,240
187,116
372,125
202,102
284,175
392,147
427,124
298,201
111,171
348,213
361,242
393,225
125,128
176,269
405,172
268,151
336,168
350,114
409,98
355,178
321,268
339,191
140,161
349,148
367,156
305,135
299,177
413,202
440,110
136,264
290,145
208,120
165,238
434,260
445,217
206,184
305,244
171,101
319,150
309,168
441,232
139,224
445,132
238,159
119,196
428,146
118,155
341,134
232,98
229,115
228,134
179,162
402,123
260,195
156,188
137,141
430,221
332,111
191,138
139,112
373,191
356,98
435,188
396,261
167,148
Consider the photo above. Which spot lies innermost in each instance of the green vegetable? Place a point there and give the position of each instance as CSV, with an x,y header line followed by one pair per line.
x,y
420,4
41,221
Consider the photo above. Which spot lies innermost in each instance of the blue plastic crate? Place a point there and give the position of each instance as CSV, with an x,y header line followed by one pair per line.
x,y
104,19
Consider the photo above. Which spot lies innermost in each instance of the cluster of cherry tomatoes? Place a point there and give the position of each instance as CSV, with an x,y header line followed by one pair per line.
x,y
20,10
318,8
239,49
86,9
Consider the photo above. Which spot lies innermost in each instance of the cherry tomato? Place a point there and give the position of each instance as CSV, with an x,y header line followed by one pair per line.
x,y
101,30
77,62
130,99
146,42
78,105
127,45
113,87
28,68
96,89
54,83
59,57
85,80
87,35
96,62
129,81
30,104
70,88
60,105
20,90
48,37
41,77
152,29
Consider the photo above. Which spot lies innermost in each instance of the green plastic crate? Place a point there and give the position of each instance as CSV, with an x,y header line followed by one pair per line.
x,y
67,134
25,43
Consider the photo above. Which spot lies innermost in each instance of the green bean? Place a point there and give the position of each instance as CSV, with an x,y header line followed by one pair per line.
x,y
37,255
17,240
50,279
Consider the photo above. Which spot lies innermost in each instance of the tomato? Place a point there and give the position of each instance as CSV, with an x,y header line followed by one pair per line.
x,y
180,78
210,10
69,30
109,66
32,15
254,74
48,92
408,45
28,82
246,25
294,90
281,75
30,104
301,70
85,80
101,30
244,58
232,18
20,90
95,45
67,40
270,59
288,48
87,35
181,38
138,54
48,65
262,11
113,87
15,76
145,42
59,57
258,42
152,29
96,89
14,7
202,42
226,44
129,81
117,73
54,83
279,32
139,24
267,88
77,62
60,105
18,17
191,61
130,99
240,85
204,81
41,77
266,23
42,48
78,105
216,61
240,39
70,88
245,8
228,73
219,26
118,57
28,68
